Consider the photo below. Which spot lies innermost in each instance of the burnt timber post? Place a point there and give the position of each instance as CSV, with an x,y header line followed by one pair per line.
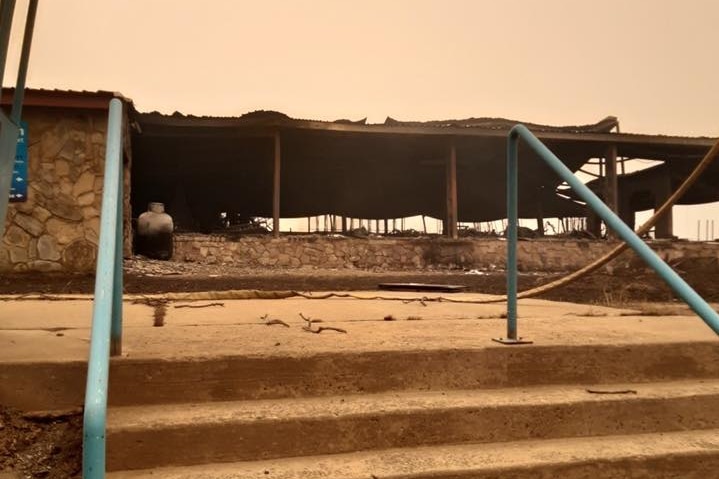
x,y
451,177
611,196
664,227
276,189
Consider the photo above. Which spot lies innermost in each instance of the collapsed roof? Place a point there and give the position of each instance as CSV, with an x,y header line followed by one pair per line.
x,y
201,166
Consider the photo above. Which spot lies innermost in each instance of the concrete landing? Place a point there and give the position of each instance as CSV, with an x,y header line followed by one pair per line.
x,y
41,330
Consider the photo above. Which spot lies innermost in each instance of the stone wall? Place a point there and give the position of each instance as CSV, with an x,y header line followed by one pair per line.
x,y
58,227
410,253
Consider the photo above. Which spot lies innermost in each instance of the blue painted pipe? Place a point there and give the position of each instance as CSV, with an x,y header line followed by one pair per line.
x,y
17,100
105,302
678,285
7,11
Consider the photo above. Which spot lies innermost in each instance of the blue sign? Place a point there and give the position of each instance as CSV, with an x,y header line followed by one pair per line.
x,y
18,188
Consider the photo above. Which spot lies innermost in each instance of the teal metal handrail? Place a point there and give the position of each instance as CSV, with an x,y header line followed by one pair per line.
x,y
678,285
106,337
10,126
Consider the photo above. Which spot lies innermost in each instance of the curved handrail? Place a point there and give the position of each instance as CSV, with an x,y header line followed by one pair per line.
x,y
107,304
680,287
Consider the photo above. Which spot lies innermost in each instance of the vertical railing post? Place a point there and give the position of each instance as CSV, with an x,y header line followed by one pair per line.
x,y
512,218
106,311
512,221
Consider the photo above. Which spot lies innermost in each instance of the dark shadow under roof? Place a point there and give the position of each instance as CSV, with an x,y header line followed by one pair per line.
x,y
356,169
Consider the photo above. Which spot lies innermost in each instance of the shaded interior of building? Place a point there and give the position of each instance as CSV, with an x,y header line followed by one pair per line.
x,y
265,164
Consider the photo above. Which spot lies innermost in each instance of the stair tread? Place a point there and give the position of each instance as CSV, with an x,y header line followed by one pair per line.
x,y
454,460
182,414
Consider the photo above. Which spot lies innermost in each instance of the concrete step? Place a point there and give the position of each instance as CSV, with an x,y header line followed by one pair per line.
x,y
135,381
685,455
186,434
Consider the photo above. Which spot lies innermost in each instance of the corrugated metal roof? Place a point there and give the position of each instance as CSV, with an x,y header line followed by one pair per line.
x,y
55,98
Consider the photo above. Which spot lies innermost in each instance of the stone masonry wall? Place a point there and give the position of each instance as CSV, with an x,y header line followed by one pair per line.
x,y
410,253
58,227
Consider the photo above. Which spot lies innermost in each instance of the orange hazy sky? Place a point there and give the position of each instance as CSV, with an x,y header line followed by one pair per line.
x,y
651,63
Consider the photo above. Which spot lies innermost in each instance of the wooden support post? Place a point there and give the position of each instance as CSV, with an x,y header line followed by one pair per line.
x,y
451,174
611,196
386,226
539,202
665,225
276,189
344,224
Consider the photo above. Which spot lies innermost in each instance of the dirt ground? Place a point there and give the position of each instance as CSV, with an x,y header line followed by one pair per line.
x,y
40,446
51,447
609,286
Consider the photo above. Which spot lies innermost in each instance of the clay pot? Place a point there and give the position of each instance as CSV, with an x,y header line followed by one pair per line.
x,y
154,232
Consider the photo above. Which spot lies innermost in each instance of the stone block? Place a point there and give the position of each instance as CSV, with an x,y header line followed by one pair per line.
x,y
32,248
52,142
29,224
90,212
16,237
86,199
62,168
84,184
79,256
64,206
23,207
41,214
47,248
63,231
44,266
4,257
66,186
18,254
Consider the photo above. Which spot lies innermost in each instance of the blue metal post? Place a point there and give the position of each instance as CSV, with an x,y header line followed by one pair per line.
x,y
512,219
7,10
512,222
8,130
9,127
24,62
93,452
680,287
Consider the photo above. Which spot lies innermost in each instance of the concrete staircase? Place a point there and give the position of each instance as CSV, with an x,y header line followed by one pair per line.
x,y
600,411
603,393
